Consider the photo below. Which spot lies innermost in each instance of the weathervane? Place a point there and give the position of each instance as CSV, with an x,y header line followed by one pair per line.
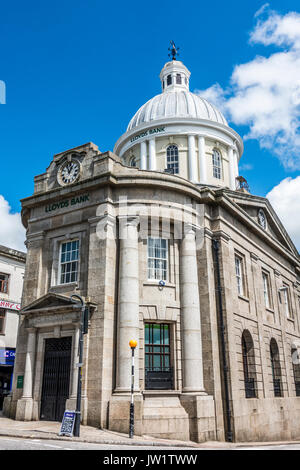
x,y
173,50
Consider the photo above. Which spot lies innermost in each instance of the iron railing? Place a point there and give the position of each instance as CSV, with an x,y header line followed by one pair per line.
x,y
250,388
159,378
277,388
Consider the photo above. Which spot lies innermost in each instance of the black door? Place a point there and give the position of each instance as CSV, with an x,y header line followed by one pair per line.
x,y
56,378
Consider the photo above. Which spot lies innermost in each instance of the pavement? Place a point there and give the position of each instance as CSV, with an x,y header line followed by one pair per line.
x,y
49,430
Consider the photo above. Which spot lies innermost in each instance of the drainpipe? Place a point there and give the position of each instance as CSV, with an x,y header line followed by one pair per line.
x,y
227,411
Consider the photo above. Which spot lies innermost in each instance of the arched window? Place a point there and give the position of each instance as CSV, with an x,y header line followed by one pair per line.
x,y
249,365
276,369
172,159
296,369
169,80
178,79
216,161
132,161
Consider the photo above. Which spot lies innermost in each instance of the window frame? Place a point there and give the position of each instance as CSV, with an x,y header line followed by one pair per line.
x,y
268,290
286,302
133,158
7,281
217,168
170,165
242,275
59,272
3,315
166,259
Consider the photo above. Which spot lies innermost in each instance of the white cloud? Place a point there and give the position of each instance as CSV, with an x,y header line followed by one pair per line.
x,y
264,94
12,232
285,199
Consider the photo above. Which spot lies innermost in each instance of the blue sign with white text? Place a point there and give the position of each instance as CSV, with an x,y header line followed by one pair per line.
x,y
7,356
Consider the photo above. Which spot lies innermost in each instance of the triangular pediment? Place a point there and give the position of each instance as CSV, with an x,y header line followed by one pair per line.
x,y
251,205
49,301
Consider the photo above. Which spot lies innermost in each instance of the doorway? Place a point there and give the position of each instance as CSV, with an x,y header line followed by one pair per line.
x,y
56,378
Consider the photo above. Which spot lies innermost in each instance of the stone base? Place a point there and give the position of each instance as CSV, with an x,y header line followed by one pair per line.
x,y
202,419
6,406
24,410
165,418
119,408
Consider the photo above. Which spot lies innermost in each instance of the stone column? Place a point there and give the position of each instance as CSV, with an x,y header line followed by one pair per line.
x,y
29,364
75,361
128,315
190,315
143,152
192,158
235,164
202,162
231,169
25,404
152,154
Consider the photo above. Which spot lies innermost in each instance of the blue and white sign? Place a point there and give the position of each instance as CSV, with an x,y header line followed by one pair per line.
x,y
7,356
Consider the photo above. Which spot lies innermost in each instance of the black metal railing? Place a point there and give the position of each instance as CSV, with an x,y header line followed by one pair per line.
x,y
159,378
297,386
277,388
250,388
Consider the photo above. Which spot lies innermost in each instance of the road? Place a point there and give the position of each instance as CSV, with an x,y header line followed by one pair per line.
x,y
7,443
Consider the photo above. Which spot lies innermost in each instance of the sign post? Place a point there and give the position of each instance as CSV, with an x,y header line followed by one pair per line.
x,y
67,424
133,345
83,330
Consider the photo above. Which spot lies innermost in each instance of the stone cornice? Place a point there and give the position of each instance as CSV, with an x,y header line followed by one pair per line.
x,y
242,215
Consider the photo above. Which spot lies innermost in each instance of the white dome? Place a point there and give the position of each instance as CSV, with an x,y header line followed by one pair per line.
x,y
176,103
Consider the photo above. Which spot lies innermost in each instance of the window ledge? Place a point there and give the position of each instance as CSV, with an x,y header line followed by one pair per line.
x,y
161,392
155,282
61,287
243,298
270,310
290,319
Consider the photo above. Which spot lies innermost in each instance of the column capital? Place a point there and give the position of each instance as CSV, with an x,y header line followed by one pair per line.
x,y
31,329
132,220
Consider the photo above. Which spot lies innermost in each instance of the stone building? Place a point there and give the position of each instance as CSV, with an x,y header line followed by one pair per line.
x,y
168,247
12,267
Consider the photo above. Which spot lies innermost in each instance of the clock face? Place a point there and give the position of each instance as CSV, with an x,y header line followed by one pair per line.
x,y
262,220
68,172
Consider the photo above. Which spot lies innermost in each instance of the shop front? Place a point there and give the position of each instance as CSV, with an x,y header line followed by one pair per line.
x,y
7,359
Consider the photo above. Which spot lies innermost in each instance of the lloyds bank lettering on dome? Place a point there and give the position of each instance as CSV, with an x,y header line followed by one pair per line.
x,y
156,130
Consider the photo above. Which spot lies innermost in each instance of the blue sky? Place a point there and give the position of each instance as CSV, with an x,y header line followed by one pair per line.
x,y
77,72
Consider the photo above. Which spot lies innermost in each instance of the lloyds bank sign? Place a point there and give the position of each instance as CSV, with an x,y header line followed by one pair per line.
x,y
156,130
74,201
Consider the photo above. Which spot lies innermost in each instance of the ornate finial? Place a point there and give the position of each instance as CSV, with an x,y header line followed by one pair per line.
x,y
174,50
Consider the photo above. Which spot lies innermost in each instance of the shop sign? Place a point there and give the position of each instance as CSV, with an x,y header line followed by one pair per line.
x,y
150,132
7,356
9,305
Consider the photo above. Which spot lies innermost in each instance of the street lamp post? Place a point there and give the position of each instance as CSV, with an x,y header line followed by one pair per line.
x,y
132,344
80,354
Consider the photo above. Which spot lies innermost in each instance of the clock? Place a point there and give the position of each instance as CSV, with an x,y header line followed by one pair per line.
x,y
68,172
262,220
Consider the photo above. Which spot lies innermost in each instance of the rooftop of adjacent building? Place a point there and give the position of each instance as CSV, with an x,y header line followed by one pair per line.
x,y
12,253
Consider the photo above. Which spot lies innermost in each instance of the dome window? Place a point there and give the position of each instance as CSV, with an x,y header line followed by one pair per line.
x,y
169,80
216,161
172,159
132,162
178,79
